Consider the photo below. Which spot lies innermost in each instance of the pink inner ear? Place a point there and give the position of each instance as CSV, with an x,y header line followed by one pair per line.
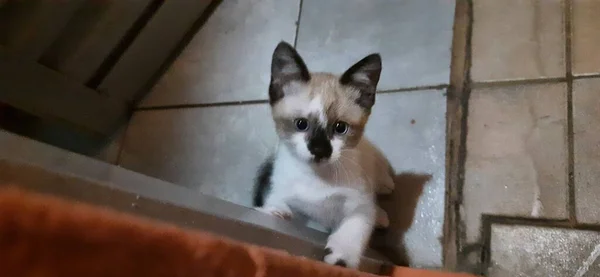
x,y
287,64
366,71
361,77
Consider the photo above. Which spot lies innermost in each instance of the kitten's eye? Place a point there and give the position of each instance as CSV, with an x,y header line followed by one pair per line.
x,y
340,127
301,124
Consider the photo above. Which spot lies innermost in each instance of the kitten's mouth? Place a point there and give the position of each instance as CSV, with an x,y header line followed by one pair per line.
x,y
319,160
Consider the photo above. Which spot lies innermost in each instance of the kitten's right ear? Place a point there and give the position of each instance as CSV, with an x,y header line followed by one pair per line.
x,y
286,66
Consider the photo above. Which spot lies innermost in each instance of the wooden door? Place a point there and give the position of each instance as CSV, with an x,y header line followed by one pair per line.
x,y
85,63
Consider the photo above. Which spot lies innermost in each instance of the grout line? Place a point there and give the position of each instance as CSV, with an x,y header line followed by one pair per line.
x,y
417,88
537,222
500,83
254,102
202,105
298,23
586,76
462,238
486,249
455,249
571,208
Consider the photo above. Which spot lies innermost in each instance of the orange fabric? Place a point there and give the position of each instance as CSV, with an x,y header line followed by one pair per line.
x,y
49,237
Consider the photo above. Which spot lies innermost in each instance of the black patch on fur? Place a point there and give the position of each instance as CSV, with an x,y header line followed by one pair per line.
x,y
341,263
319,144
328,251
262,182
371,67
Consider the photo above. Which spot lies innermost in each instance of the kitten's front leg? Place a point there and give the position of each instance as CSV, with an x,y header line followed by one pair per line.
x,y
283,212
275,204
347,243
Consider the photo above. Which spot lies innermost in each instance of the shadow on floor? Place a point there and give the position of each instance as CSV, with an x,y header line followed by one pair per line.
x,y
400,206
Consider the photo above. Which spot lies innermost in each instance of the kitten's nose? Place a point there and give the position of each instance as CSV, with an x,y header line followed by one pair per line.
x,y
321,151
319,145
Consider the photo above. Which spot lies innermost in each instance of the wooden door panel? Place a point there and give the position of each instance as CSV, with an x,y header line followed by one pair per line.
x,y
41,91
29,27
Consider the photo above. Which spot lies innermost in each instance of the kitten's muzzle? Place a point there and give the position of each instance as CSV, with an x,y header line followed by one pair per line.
x,y
319,145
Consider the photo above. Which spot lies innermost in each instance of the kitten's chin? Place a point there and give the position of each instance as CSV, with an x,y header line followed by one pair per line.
x,y
323,161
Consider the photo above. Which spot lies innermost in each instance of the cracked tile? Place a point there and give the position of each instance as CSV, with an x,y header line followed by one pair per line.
x,y
586,38
517,39
516,154
586,128
529,251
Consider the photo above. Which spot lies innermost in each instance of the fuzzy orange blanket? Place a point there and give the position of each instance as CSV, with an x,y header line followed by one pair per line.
x,y
44,236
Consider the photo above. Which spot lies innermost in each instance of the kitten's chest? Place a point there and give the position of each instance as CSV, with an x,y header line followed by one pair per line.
x,y
322,202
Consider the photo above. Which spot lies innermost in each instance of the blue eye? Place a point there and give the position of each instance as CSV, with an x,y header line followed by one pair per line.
x,y
301,124
340,127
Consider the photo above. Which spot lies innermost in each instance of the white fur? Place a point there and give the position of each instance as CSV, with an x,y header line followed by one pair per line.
x,y
316,107
301,148
339,195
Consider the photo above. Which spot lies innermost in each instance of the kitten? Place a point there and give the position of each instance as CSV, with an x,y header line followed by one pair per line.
x,y
323,167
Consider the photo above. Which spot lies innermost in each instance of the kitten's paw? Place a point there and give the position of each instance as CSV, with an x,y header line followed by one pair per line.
x,y
341,256
281,213
382,221
386,187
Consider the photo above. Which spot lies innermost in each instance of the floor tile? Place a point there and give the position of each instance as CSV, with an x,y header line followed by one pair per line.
x,y
517,39
415,48
213,150
586,128
409,128
586,38
229,58
516,154
541,252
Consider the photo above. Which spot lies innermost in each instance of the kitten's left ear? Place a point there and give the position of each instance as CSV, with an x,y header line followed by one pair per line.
x,y
364,75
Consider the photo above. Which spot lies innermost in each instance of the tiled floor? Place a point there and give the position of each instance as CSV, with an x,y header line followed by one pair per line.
x,y
532,140
218,140
509,130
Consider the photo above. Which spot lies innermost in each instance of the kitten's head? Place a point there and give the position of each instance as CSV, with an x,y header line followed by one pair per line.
x,y
318,115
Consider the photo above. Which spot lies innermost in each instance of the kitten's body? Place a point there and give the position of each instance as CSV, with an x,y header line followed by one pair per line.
x,y
318,191
326,171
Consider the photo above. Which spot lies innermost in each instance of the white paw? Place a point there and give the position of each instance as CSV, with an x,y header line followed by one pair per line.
x,y
281,213
342,256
